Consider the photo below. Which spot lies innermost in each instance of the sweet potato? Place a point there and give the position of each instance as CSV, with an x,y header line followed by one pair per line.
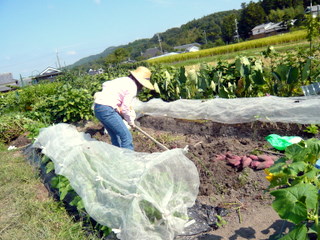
x,y
265,164
246,161
234,161
253,157
236,157
255,164
264,158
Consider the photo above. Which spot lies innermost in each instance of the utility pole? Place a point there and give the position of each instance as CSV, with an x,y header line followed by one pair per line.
x,y
237,33
159,43
59,65
205,36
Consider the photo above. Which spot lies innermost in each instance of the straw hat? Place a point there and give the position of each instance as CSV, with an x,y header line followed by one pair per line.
x,y
143,74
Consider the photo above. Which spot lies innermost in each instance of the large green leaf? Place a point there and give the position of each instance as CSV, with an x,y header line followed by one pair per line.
x,y
276,76
239,67
314,145
293,203
258,78
223,92
298,233
296,152
203,83
282,72
182,76
293,75
295,168
306,70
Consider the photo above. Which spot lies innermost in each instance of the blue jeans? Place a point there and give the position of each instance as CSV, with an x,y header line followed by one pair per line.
x,y
113,123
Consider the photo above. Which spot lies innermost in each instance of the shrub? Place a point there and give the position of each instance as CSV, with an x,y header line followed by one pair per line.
x,y
67,105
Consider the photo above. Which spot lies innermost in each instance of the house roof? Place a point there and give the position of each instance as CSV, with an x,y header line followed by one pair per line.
x,y
6,78
186,46
268,27
166,54
151,52
49,71
262,26
315,8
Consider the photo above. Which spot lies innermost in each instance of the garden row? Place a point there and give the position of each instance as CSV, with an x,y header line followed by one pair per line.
x,y
70,97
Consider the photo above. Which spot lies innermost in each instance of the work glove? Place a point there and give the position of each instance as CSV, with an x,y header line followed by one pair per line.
x,y
132,125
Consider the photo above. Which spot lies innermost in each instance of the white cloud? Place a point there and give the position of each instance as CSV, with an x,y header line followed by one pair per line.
x,y
71,53
97,1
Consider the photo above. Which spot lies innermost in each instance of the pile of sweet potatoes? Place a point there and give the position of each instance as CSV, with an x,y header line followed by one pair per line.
x,y
253,161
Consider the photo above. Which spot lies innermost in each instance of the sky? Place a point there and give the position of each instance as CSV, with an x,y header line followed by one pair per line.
x,y
36,34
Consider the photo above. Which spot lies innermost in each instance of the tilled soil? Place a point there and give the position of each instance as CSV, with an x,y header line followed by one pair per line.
x,y
241,191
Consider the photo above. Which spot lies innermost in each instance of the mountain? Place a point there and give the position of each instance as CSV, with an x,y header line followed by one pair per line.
x,y
93,58
190,32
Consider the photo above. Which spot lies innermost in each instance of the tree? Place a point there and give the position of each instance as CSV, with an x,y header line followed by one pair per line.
x,y
251,16
276,15
269,5
306,3
228,28
119,55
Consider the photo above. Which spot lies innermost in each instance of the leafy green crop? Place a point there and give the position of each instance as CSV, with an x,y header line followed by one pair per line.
x,y
295,183
313,129
67,105
62,184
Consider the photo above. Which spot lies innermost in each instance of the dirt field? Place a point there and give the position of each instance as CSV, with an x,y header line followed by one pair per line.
x,y
241,191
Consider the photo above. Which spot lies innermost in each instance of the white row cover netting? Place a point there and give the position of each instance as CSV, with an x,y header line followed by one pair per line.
x,y
303,110
145,195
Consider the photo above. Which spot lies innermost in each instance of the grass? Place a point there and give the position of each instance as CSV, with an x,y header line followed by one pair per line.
x,y
26,209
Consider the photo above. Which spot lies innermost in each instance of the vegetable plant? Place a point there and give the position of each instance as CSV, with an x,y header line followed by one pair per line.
x,y
65,190
67,105
294,183
312,128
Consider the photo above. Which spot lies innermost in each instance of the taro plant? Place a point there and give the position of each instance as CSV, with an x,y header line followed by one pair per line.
x,y
166,84
286,79
294,183
250,77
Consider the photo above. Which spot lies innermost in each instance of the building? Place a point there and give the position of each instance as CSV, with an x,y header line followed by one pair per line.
x,y
7,83
164,55
314,10
191,47
268,29
151,52
48,74
95,72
